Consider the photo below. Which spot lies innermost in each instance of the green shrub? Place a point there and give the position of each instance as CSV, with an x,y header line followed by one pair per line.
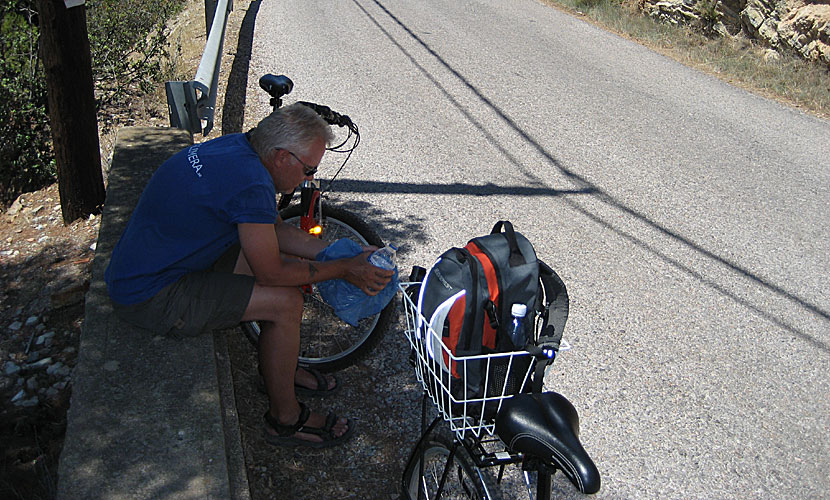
x,y
709,15
128,44
26,160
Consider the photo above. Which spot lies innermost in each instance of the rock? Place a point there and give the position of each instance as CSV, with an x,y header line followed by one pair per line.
x,y
32,320
70,295
801,27
16,207
671,11
772,55
39,365
18,396
29,402
53,369
17,325
31,384
805,29
10,368
44,338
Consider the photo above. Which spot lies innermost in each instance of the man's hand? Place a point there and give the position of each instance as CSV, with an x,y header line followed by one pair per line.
x,y
362,274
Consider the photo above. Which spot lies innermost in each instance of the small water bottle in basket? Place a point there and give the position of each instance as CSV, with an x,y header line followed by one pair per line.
x,y
518,332
384,258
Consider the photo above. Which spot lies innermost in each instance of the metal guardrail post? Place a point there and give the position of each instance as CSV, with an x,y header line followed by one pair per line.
x,y
181,103
191,102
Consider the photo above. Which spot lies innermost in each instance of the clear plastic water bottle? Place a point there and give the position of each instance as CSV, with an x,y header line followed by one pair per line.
x,y
384,258
517,332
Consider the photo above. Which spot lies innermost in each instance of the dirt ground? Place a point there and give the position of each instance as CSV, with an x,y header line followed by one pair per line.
x,y
44,268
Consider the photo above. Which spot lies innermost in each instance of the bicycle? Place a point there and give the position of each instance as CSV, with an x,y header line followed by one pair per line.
x,y
326,342
536,430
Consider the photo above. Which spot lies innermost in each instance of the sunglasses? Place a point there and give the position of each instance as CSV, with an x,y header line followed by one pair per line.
x,y
308,170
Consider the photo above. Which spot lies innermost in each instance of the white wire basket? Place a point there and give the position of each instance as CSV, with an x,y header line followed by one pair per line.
x,y
442,375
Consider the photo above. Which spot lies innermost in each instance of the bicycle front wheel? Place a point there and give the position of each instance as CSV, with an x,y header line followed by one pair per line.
x,y
463,478
326,342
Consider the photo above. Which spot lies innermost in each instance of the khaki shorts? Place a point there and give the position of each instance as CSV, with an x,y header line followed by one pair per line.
x,y
198,302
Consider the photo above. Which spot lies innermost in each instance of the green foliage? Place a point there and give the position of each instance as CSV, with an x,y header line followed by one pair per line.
x,y
26,161
709,15
128,40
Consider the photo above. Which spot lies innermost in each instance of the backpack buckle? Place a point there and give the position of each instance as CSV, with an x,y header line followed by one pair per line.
x,y
490,309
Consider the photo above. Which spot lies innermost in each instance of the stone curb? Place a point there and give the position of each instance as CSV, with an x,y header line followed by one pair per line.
x,y
146,418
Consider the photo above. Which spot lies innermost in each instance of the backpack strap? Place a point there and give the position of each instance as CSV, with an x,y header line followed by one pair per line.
x,y
516,258
557,304
554,315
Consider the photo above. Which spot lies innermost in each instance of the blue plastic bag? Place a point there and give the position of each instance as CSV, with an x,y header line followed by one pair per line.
x,y
348,301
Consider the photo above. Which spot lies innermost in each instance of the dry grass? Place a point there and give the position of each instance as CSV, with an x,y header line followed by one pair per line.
x,y
739,61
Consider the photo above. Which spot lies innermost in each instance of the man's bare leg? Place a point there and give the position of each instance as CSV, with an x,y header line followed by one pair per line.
x,y
302,377
279,310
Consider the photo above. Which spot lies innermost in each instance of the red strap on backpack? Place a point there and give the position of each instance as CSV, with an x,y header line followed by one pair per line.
x,y
455,316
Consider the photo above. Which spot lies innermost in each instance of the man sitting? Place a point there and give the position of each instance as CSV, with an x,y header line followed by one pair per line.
x,y
205,249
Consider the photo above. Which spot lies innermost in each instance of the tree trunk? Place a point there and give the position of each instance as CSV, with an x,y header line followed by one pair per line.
x,y
64,51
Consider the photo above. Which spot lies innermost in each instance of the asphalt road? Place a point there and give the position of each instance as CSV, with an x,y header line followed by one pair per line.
x,y
689,219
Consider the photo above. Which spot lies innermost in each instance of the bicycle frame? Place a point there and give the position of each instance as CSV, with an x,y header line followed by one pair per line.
x,y
474,445
310,199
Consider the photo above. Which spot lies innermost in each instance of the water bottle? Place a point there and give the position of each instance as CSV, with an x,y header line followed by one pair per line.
x,y
384,258
517,332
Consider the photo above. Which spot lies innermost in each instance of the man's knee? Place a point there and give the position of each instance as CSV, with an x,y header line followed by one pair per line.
x,y
293,299
278,304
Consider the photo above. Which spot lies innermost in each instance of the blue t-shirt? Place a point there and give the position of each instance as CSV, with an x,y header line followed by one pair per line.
x,y
187,216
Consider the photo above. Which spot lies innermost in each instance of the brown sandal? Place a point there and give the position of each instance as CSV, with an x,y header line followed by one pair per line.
x,y
285,433
322,384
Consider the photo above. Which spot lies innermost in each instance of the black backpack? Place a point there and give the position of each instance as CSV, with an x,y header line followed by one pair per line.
x,y
467,297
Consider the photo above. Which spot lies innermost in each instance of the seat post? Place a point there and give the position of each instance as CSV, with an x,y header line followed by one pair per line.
x,y
543,484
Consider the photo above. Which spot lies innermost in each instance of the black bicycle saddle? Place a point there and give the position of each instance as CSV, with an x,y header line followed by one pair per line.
x,y
547,426
276,86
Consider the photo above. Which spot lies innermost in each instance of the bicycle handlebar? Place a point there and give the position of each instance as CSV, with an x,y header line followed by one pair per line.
x,y
332,117
278,86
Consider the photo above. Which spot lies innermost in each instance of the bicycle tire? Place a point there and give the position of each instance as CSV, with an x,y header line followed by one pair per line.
x,y
464,479
322,333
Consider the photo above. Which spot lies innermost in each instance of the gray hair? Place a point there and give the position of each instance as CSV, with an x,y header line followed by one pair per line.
x,y
293,127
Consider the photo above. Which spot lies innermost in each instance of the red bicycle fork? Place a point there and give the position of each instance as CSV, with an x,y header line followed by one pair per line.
x,y
310,203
